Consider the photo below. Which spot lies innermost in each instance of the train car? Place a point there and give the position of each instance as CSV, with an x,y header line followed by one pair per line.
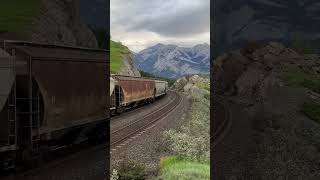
x,y
51,96
127,91
161,87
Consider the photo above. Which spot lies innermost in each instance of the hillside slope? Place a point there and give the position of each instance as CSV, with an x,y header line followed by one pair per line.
x,y
237,22
122,60
272,94
52,22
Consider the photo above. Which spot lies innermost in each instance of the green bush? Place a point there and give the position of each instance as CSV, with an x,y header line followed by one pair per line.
x,y
192,141
173,168
312,110
131,170
296,77
303,47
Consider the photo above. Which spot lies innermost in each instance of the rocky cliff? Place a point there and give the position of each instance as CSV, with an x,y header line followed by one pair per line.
x,y
59,23
193,85
128,67
56,22
273,96
238,21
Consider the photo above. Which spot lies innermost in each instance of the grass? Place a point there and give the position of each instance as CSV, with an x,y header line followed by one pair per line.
x,y
173,168
17,15
116,52
312,110
297,77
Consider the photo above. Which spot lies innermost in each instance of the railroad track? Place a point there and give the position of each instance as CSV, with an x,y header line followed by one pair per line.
x,y
222,125
126,132
62,159
221,116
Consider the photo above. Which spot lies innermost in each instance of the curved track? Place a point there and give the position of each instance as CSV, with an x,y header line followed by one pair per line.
x,y
127,131
222,123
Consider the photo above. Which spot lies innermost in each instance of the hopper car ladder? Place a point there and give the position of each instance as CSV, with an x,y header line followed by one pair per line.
x,y
12,116
32,115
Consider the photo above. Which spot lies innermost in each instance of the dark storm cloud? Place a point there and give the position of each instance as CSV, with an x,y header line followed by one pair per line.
x,y
171,18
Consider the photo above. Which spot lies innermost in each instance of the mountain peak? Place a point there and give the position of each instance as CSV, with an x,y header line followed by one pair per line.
x,y
158,45
173,61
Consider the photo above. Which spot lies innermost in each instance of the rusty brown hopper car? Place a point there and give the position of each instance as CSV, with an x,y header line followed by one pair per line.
x,y
135,89
56,92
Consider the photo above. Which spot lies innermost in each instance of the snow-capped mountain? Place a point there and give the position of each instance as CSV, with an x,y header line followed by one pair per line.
x,y
173,61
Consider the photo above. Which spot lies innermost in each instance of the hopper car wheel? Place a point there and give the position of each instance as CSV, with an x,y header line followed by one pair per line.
x,y
119,110
29,160
45,153
26,158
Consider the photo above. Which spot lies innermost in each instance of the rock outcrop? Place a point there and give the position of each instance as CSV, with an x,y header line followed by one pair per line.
x,y
271,93
237,22
192,85
252,71
128,67
57,24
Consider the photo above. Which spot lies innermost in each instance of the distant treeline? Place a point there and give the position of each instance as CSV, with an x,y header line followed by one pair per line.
x,y
146,74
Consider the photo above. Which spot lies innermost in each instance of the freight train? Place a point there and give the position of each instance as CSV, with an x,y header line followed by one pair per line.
x,y
55,96
50,97
127,92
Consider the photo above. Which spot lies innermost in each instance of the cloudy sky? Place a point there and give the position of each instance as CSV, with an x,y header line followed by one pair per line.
x,y
142,23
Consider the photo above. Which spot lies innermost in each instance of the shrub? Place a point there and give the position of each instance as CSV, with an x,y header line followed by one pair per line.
x,y
192,141
114,175
303,47
296,77
312,110
131,170
173,168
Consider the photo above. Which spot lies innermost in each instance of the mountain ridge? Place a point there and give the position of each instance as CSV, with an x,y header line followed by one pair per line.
x,y
173,61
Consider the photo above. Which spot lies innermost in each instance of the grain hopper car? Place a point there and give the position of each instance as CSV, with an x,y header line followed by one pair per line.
x,y
127,91
50,96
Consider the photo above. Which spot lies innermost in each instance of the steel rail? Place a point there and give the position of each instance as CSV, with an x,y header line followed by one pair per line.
x,y
144,122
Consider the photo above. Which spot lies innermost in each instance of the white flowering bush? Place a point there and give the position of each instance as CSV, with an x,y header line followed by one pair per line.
x,y
192,140
114,175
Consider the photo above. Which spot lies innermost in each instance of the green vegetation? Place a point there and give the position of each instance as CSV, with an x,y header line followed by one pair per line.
x,y
304,46
173,168
116,52
146,74
312,110
17,15
192,140
203,85
189,145
298,78
130,170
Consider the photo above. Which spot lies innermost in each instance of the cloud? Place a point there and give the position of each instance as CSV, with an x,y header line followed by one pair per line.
x,y
171,21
